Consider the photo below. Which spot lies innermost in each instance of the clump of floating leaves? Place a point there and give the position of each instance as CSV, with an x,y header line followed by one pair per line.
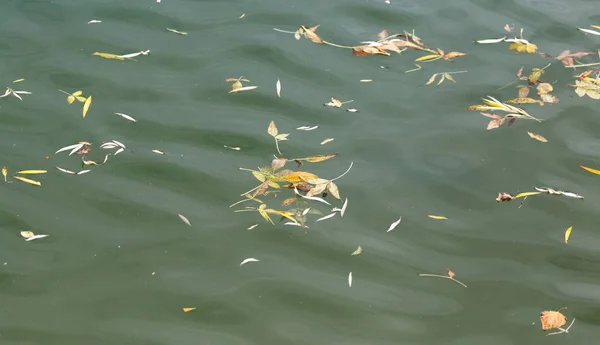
x,y
518,44
306,188
78,95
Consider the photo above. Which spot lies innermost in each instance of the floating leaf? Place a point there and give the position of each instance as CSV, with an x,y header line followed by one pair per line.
x,y
334,103
333,189
588,31
350,279
272,130
187,310
4,172
520,195
593,171
109,56
288,201
523,47
245,261
428,58
126,117
491,40
331,215
278,88
451,55
184,219
394,225
70,99
86,105
31,172
537,137
252,226
298,176
328,140
177,32
436,217
159,152
357,251
568,234
552,319
317,158
26,180
245,88
30,236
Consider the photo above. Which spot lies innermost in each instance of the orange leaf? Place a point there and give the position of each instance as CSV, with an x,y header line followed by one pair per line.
x,y
187,310
451,55
552,319
451,274
299,176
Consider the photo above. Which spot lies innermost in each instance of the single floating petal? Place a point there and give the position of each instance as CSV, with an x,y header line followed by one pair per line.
x,y
248,260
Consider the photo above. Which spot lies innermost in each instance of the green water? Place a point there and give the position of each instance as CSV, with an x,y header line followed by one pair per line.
x,y
119,265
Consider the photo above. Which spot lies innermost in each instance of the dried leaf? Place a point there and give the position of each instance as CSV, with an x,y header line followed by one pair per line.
x,y
491,40
31,172
568,234
159,152
334,103
368,50
451,273
394,225
86,105
311,35
537,137
317,158
328,140
288,201
177,31
26,180
109,56
543,88
524,91
431,79
520,195
357,251
333,189
245,88
524,101
4,172
552,319
272,130
451,55
442,79
428,58
184,219
316,190
508,28
299,176
245,261
187,310
495,123
436,217
449,77
548,98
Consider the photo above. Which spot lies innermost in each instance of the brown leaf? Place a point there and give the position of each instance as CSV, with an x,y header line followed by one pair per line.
x,y
316,190
492,116
334,103
508,28
523,91
451,55
311,35
383,34
299,176
519,72
318,158
333,189
368,50
261,190
278,163
451,274
543,88
535,75
524,101
537,137
512,121
504,197
288,201
495,123
548,98
552,319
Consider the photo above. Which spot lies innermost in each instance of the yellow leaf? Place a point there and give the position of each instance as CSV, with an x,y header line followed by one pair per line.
x,y
259,176
299,176
187,310
77,93
31,172
520,195
328,140
265,215
108,56
431,79
357,251
317,158
4,172
437,217
18,80
86,106
428,57
288,215
26,180
593,171
81,99
272,130
568,234
70,99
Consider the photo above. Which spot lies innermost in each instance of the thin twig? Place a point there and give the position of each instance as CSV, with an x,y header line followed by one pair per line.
x,y
286,32
277,146
336,45
440,276
584,65
342,175
562,330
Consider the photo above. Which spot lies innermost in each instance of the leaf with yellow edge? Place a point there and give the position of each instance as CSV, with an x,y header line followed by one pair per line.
x,y
437,217
26,180
568,234
31,172
593,171
520,195
428,58
86,105
109,56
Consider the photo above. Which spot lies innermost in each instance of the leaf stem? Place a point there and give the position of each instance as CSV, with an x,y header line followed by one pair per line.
x,y
336,45
584,65
440,276
342,175
284,31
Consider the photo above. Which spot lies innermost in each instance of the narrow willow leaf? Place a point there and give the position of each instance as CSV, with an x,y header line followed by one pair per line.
x,y
245,88
4,172
31,172
75,147
431,79
343,210
331,215
366,80
27,234
316,190
288,201
177,31
593,171
449,77
442,79
35,237
311,197
26,180
77,93
537,137
282,136
307,128
245,261
357,251
94,21
568,234
259,176
520,195
278,88
187,310
109,56
272,129
328,140
265,215
394,225
129,56
66,171
491,40
318,158
126,117
333,189
350,279
83,172
428,57
436,217
252,226
159,152
184,219
86,105
18,80
588,31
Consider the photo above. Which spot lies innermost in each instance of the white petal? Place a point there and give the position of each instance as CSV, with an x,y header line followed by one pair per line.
x,y
326,217
66,171
394,225
350,279
248,260
491,40
343,210
127,117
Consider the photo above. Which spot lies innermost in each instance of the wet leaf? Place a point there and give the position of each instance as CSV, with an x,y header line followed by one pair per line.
x,y
278,163
245,261
288,215
311,35
177,31
437,217
288,201
159,152
317,158
109,56
588,31
350,279
26,180
428,58
86,105
328,140
491,40
357,251
535,75
523,91
316,190
299,176
504,197
272,130
586,87
187,310
278,88
568,234
31,172
184,219
544,88
593,171
552,319
548,98
245,88
451,55
30,236
522,47
368,50
508,28
524,101
394,225
334,103
520,195
449,77
333,189
537,137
